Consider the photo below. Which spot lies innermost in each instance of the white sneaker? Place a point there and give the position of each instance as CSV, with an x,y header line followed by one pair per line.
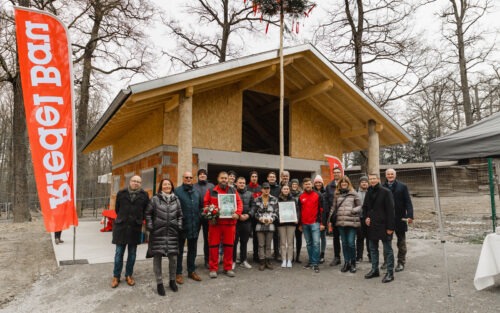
x,y
234,265
245,264
289,263
283,264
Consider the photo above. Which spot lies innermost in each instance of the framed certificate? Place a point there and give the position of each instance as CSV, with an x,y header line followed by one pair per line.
x,y
227,205
287,212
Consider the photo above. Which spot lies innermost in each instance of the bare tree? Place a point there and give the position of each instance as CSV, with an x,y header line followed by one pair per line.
x,y
9,74
109,37
361,36
210,41
460,19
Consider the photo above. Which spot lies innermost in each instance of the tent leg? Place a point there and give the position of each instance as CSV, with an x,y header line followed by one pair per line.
x,y
437,207
492,193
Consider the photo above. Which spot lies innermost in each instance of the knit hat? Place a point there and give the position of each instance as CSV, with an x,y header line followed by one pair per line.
x,y
318,178
363,178
295,180
202,170
266,185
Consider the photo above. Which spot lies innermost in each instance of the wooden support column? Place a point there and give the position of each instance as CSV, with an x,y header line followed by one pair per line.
x,y
373,148
185,142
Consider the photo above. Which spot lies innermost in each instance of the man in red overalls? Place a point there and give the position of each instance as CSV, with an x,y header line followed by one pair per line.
x,y
224,229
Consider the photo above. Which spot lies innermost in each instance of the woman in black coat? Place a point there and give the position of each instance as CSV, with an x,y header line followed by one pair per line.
x,y
164,221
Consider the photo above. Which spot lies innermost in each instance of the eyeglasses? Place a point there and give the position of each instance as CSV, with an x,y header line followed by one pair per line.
x,y
188,177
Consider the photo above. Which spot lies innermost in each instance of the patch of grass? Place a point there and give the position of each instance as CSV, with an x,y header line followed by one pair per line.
x,y
476,239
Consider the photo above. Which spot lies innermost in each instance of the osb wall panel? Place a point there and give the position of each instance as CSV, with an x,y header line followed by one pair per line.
x,y
217,116
325,174
170,126
270,86
311,134
143,135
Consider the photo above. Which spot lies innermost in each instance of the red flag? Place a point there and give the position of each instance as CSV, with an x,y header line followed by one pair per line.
x,y
334,163
47,81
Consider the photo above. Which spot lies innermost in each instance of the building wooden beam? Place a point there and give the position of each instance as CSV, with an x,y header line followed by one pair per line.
x,y
359,131
373,148
185,141
171,104
311,91
261,76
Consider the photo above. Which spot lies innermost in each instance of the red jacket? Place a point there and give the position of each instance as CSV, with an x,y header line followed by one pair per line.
x,y
211,197
311,210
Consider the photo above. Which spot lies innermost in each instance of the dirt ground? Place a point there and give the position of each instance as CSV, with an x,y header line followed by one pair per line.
x,y
32,282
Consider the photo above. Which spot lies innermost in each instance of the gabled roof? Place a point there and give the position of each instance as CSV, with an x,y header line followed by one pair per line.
x,y
309,76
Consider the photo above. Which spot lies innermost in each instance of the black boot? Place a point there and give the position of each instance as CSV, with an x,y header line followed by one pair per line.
x,y
297,258
353,267
173,285
161,289
346,267
269,265
262,265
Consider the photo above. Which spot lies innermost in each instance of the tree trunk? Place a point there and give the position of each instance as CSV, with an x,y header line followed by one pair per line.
x,y
83,105
20,206
462,63
225,33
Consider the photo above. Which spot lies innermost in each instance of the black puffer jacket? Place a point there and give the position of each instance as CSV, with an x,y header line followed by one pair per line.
x,y
164,221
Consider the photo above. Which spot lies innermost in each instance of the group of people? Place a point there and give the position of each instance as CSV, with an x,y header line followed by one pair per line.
x,y
173,217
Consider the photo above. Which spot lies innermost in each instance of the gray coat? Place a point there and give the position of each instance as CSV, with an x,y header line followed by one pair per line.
x,y
164,221
349,209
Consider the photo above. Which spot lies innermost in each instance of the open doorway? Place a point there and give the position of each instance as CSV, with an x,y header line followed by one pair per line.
x,y
260,133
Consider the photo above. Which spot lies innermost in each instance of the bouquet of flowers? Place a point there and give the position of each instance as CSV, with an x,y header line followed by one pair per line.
x,y
211,213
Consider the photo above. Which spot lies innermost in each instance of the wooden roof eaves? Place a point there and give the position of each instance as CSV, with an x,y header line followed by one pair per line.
x,y
115,105
405,137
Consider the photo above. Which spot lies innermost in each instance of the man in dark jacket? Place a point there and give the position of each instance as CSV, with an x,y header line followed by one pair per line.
x,y
256,190
244,224
130,206
202,186
275,192
378,211
403,211
190,204
329,197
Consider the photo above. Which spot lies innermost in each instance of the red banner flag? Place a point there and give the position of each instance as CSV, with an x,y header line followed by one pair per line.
x,y
47,81
334,163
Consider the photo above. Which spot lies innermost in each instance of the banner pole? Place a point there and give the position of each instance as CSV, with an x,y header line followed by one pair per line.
x,y
74,243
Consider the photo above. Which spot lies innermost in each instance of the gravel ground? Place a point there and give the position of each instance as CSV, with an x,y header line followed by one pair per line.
x,y
33,283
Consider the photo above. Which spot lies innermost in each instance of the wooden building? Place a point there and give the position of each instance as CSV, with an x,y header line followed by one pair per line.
x,y
226,116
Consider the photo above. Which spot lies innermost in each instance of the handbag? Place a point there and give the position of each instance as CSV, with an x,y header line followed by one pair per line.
x,y
333,215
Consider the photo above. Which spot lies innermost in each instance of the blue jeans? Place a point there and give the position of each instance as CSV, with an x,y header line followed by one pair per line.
x,y
311,234
348,236
129,267
387,244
